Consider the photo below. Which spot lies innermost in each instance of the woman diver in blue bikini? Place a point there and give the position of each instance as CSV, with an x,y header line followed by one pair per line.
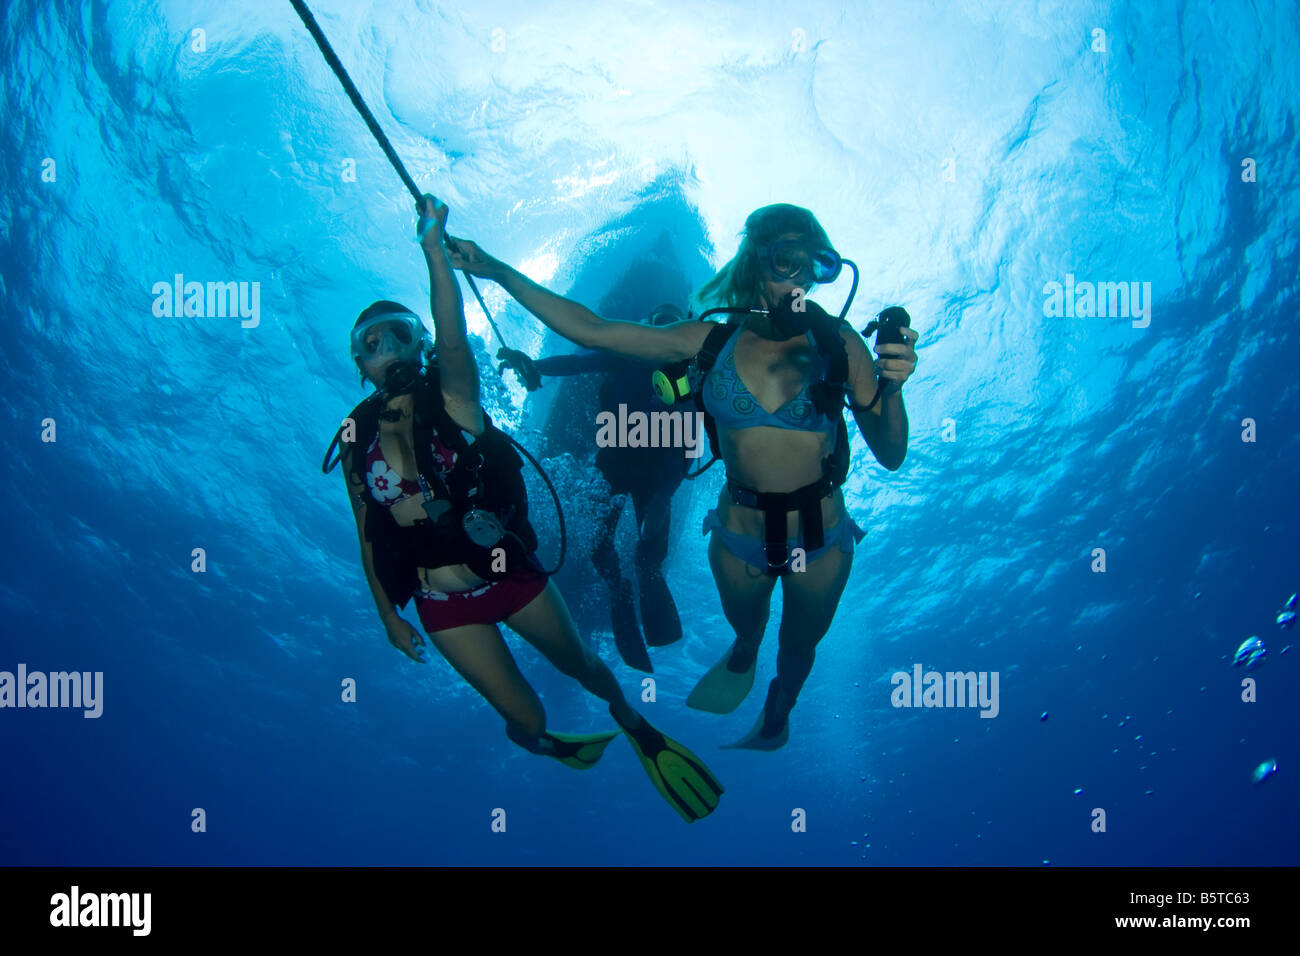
x,y
781,515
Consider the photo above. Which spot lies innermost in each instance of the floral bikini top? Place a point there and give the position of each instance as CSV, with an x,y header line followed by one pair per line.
x,y
387,486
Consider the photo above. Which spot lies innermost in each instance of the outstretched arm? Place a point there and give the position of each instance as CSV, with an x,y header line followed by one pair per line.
x,y
457,370
884,425
576,322
576,363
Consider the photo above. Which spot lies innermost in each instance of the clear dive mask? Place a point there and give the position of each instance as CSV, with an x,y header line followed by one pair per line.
x,y
397,333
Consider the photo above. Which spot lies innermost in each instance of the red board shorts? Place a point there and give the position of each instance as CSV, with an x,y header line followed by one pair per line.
x,y
490,603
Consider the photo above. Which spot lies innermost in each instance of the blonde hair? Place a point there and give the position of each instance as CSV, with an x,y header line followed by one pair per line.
x,y
740,282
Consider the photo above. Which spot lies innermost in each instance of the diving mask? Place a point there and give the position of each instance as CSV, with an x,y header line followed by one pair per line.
x,y
800,262
398,333
666,314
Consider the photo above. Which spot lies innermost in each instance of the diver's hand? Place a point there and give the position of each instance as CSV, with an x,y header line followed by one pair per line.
x,y
896,363
433,220
523,366
406,639
466,255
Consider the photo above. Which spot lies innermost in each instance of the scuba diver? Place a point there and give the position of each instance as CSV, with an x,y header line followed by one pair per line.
x,y
442,516
648,475
781,514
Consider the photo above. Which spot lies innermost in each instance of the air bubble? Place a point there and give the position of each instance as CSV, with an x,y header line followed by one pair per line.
x,y
1264,771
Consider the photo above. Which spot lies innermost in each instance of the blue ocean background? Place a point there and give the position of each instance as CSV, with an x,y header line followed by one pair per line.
x,y
965,154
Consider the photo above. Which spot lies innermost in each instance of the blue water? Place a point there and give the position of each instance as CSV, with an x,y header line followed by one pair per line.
x,y
964,154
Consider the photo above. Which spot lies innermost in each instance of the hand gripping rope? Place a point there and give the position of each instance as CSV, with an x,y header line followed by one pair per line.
x,y
355,96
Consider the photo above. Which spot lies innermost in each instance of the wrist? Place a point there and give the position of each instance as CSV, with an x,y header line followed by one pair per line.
x,y
433,249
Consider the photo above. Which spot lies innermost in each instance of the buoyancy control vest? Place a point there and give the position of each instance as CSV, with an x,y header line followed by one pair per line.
x,y
829,397
828,394
484,490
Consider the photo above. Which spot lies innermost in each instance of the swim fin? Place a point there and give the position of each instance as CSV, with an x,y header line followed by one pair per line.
x,y
627,635
756,739
680,777
579,751
663,626
722,690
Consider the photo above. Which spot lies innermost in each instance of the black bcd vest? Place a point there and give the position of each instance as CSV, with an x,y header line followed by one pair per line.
x,y
487,475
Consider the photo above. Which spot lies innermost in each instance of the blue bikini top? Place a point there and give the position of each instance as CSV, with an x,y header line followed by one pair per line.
x,y
733,406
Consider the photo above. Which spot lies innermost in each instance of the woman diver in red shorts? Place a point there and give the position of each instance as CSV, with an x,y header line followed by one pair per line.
x,y
442,518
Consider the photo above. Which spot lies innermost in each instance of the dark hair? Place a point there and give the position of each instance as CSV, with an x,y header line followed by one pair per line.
x,y
378,307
